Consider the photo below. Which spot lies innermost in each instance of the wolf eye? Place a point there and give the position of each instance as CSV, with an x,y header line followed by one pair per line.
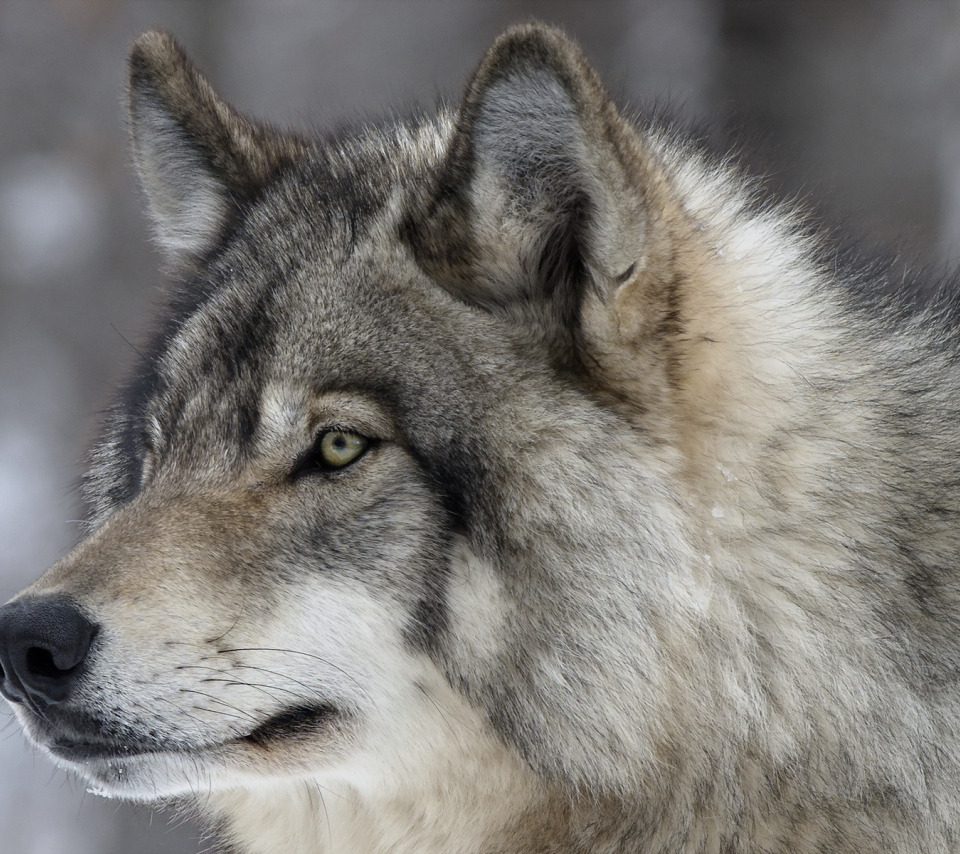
x,y
333,450
339,449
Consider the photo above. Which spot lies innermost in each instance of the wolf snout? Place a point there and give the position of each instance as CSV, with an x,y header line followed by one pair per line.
x,y
44,642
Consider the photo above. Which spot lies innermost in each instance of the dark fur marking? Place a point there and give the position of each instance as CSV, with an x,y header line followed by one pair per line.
x,y
626,274
670,325
300,721
428,622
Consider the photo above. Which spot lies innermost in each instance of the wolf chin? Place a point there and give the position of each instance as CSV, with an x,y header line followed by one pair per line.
x,y
517,480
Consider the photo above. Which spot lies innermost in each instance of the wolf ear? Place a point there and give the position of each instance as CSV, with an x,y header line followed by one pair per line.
x,y
196,156
539,194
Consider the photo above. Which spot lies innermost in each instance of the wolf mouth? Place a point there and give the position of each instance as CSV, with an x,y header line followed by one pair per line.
x,y
74,750
294,723
298,722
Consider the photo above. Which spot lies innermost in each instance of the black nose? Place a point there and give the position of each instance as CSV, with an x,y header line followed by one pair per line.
x,y
43,644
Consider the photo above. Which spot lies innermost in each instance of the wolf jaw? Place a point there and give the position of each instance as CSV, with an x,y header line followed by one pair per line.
x,y
639,558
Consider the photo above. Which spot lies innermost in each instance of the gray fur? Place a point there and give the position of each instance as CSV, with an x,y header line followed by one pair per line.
x,y
654,546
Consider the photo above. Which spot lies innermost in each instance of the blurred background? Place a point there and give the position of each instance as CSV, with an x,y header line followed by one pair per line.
x,y
851,105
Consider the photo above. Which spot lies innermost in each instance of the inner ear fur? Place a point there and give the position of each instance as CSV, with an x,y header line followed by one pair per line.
x,y
196,156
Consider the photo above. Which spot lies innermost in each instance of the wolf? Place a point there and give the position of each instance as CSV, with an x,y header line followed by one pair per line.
x,y
515,480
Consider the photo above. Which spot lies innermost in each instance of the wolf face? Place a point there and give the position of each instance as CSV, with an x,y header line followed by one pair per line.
x,y
496,473
257,608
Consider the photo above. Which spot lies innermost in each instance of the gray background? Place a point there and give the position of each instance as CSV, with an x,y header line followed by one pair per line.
x,y
850,103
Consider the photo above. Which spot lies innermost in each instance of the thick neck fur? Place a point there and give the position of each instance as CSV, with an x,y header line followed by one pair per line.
x,y
782,410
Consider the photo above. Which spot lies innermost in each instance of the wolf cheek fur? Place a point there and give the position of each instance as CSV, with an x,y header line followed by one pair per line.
x,y
650,545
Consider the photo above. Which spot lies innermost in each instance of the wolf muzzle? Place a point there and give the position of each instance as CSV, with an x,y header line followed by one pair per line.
x,y
44,641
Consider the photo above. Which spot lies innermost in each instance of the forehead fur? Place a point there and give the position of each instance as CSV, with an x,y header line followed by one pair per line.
x,y
309,240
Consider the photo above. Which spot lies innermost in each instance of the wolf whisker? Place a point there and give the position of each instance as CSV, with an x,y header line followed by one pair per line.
x,y
238,713
315,657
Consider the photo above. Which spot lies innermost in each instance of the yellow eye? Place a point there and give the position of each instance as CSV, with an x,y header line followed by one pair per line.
x,y
339,448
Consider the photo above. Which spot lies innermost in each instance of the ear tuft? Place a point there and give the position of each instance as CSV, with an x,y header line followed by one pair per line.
x,y
196,156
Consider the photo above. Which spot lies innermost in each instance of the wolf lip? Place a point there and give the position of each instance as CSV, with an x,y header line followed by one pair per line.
x,y
298,721
82,750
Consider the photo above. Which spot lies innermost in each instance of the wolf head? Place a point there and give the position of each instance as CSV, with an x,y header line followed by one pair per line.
x,y
378,497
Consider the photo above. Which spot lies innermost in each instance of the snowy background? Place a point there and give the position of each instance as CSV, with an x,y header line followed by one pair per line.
x,y
853,103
